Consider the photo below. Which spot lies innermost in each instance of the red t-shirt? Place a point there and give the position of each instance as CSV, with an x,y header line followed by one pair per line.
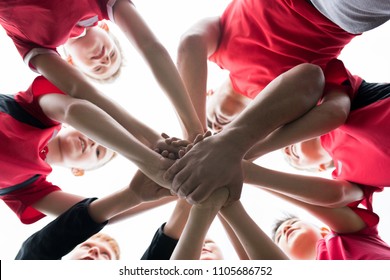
x,y
40,26
262,39
24,134
361,148
365,244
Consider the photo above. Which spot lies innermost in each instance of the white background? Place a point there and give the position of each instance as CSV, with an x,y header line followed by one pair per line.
x,y
366,56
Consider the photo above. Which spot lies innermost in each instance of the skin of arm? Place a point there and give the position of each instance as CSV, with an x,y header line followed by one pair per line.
x,y
313,190
196,45
201,216
337,215
299,88
97,124
234,240
160,63
330,114
256,243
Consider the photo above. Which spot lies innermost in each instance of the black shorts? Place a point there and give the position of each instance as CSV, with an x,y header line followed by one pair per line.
x,y
369,93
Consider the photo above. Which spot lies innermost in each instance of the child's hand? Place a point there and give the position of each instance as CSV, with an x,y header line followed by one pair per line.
x,y
170,147
198,138
146,189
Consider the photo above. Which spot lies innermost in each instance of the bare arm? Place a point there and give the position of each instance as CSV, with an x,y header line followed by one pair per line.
x,y
323,198
285,99
196,45
160,63
233,238
97,124
329,115
201,216
256,243
309,189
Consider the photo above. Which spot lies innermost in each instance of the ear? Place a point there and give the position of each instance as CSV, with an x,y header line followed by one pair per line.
x,y
324,231
69,59
78,172
103,25
210,92
322,167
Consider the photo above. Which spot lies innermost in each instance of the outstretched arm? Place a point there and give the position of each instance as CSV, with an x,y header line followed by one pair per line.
x,y
330,114
196,45
309,189
135,143
161,64
257,244
285,99
199,221
324,198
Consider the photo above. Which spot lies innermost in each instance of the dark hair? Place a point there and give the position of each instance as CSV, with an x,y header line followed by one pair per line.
x,y
279,222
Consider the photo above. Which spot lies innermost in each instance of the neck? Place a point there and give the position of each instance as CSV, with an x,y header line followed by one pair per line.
x,y
54,156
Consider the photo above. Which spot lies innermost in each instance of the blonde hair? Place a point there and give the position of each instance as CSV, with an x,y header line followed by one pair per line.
x,y
103,25
110,241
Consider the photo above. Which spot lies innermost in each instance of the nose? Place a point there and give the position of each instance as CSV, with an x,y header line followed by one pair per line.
x,y
105,60
94,251
285,229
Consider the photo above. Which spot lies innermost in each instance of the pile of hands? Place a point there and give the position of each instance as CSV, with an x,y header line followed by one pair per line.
x,y
197,168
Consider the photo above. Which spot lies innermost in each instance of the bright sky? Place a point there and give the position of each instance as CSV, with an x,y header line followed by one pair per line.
x,y
366,56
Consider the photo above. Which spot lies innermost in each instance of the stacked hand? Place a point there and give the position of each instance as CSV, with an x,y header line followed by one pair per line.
x,y
205,165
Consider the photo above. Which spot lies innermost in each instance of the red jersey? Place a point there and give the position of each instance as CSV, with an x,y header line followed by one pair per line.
x,y
360,148
262,39
24,133
365,244
40,26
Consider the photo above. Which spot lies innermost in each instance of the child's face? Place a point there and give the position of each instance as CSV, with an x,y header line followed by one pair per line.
x,y
95,54
93,249
223,106
210,251
308,155
78,151
298,239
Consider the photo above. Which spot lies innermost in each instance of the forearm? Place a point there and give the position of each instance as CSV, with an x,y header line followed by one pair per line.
x,y
323,118
178,219
160,63
287,98
105,208
257,244
309,189
195,46
191,241
234,240
141,208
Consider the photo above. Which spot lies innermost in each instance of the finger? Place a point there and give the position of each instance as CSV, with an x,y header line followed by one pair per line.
x,y
234,192
162,192
174,176
198,138
164,135
172,156
207,134
165,153
181,153
181,183
200,193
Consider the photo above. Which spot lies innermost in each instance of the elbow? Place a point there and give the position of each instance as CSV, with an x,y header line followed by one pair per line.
x,y
347,194
75,110
191,42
